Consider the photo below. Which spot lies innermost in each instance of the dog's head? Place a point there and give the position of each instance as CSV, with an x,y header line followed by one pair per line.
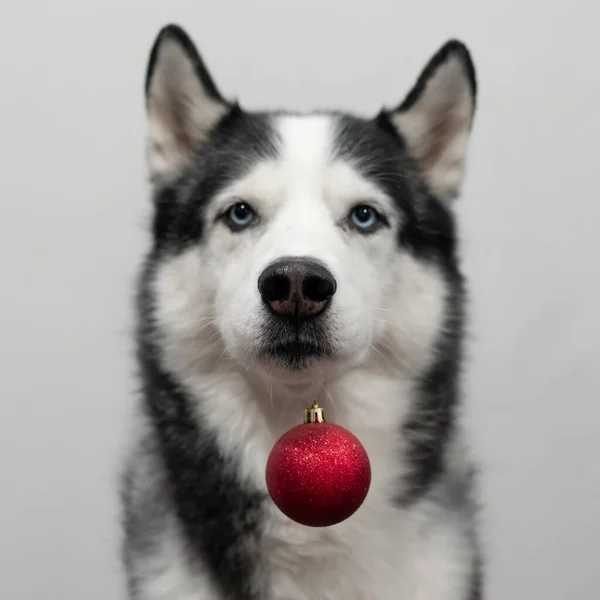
x,y
299,244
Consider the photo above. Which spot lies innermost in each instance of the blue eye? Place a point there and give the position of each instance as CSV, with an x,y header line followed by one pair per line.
x,y
239,216
364,218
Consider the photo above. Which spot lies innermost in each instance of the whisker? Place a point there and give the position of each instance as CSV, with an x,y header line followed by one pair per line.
x,y
270,388
381,354
222,354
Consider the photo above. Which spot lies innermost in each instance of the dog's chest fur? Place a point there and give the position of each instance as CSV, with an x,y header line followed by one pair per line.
x,y
385,552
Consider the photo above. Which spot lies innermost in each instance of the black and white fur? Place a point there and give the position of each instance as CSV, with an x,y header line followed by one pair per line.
x,y
222,378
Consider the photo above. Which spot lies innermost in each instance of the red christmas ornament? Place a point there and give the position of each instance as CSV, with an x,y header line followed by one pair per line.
x,y
318,473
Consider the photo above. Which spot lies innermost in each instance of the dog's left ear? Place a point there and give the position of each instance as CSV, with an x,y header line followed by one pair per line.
x,y
435,118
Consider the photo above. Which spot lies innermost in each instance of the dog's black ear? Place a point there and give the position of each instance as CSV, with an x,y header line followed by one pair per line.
x,y
435,118
182,102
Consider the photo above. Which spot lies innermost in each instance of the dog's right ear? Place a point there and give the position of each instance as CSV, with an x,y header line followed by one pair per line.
x,y
182,102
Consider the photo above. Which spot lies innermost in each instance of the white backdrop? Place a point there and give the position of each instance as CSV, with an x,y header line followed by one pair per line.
x,y
72,217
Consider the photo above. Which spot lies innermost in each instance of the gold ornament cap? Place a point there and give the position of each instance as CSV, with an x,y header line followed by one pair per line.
x,y
314,414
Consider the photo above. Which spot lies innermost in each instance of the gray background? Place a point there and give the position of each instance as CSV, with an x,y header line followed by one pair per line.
x,y
73,212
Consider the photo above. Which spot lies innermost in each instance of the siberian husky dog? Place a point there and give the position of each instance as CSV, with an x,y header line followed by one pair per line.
x,y
300,257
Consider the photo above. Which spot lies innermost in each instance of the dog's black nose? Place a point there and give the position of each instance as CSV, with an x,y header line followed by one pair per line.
x,y
296,287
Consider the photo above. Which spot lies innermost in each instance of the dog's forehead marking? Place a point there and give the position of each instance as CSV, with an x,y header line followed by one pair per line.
x,y
307,174
312,167
306,142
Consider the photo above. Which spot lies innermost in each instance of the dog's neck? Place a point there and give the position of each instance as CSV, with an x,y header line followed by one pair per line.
x,y
247,411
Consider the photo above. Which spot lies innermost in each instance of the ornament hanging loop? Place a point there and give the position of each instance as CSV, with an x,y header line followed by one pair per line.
x,y
314,414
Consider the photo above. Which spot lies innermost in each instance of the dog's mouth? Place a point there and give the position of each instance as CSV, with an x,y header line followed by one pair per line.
x,y
296,355
296,349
